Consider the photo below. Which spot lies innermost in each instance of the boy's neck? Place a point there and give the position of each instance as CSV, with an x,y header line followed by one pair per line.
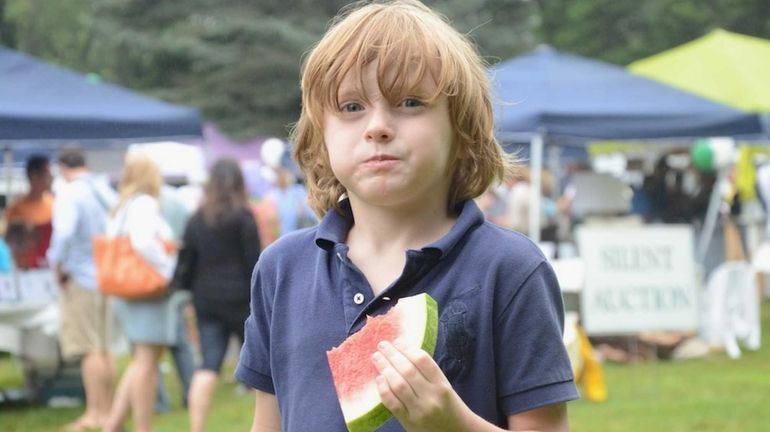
x,y
383,230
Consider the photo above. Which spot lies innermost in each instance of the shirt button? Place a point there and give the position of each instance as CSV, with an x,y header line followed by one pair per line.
x,y
358,298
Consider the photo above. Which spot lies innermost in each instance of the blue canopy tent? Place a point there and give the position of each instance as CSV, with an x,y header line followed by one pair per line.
x,y
39,101
42,107
546,93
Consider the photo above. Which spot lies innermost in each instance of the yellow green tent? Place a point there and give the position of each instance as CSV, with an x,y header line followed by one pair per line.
x,y
726,67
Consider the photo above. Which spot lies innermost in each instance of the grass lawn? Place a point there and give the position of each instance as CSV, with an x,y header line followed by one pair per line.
x,y
713,394
232,409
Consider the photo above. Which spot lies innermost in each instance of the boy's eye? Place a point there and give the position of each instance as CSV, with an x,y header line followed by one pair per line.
x,y
411,103
351,107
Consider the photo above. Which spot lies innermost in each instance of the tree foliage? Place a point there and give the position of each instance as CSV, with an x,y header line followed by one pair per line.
x,y
624,31
238,61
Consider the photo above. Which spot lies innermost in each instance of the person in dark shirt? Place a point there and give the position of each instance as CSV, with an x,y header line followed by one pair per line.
x,y
220,247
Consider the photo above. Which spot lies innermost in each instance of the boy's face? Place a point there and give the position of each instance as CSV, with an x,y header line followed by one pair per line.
x,y
394,154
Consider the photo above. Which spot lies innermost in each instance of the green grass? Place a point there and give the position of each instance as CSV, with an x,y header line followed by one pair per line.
x,y
713,394
232,409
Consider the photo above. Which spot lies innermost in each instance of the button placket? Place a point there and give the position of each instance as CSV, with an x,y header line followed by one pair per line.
x,y
353,289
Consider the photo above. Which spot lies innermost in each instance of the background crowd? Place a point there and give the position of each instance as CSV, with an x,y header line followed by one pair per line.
x,y
205,250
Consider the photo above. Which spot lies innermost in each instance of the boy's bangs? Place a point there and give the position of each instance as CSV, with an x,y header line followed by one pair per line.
x,y
406,53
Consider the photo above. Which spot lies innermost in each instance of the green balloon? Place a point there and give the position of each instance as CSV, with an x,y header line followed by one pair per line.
x,y
93,78
702,156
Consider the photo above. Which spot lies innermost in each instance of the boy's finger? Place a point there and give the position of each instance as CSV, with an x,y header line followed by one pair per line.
x,y
389,399
402,363
421,360
400,386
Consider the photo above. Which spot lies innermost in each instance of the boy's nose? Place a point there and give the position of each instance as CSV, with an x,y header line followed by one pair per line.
x,y
380,127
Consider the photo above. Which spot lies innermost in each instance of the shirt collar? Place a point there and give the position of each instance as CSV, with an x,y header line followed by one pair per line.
x,y
469,218
334,227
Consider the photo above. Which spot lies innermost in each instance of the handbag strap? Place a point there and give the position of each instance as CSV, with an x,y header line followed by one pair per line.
x,y
99,198
123,208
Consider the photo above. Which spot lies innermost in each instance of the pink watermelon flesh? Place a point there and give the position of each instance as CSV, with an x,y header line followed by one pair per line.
x,y
415,321
351,363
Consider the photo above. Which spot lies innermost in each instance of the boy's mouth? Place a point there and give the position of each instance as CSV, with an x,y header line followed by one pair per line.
x,y
380,162
381,158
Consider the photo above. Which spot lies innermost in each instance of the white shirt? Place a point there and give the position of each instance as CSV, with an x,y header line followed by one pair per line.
x,y
80,212
140,219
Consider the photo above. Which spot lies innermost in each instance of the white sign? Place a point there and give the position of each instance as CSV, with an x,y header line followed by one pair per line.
x,y
8,290
29,286
638,278
38,285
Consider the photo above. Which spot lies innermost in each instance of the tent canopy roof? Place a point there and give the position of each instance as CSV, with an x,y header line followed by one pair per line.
x,y
726,67
570,95
39,101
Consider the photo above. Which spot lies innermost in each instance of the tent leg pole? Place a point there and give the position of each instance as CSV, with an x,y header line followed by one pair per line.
x,y
536,170
709,223
8,165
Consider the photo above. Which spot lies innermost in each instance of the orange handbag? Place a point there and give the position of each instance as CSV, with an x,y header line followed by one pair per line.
x,y
122,272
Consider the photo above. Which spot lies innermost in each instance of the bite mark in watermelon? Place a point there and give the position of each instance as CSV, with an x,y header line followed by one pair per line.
x,y
414,320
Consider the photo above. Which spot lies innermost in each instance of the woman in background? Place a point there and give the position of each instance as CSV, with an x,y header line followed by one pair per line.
x,y
149,324
221,246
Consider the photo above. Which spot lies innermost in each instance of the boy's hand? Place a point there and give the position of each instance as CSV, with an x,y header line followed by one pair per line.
x,y
415,390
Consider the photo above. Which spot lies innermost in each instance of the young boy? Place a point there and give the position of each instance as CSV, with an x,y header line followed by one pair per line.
x,y
396,138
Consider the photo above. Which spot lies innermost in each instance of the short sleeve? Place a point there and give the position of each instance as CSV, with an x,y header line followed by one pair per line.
x,y
254,364
534,369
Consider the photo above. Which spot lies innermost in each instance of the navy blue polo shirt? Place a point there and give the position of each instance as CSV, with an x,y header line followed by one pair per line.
x,y
500,313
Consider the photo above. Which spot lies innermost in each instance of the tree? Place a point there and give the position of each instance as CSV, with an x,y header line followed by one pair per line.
x,y
624,31
239,60
233,60
501,28
236,60
7,28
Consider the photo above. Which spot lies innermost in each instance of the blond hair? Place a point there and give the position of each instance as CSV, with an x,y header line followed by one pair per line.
x,y
404,36
140,176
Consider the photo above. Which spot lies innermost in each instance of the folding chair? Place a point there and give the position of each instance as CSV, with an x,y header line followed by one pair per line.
x,y
732,308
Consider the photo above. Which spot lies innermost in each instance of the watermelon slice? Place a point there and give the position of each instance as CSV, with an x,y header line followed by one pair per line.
x,y
414,320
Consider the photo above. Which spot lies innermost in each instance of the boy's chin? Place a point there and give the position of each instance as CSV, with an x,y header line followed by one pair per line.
x,y
392,199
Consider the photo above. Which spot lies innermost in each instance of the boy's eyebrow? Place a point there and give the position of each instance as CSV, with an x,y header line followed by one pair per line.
x,y
347,88
347,92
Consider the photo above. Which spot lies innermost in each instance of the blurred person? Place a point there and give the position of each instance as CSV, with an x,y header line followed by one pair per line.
x,y
222,244
175,212
674,199
492,204
290,198
80,212
28,220
150,325
516,216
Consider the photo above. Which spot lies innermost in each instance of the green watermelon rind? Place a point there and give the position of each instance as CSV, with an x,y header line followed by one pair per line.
x,y
378,415
431,327
370,421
